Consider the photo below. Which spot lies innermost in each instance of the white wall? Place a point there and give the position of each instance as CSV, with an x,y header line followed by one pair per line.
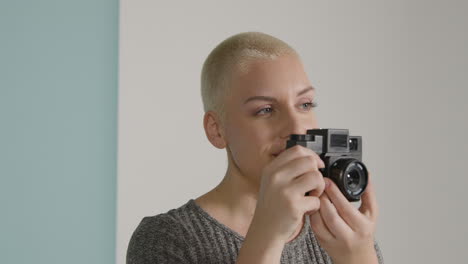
x,y
393,72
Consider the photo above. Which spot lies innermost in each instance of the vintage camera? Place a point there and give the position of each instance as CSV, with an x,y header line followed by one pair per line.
x,y
342,155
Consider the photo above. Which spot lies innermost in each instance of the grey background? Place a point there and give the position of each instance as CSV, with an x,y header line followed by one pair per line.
x,y
391,71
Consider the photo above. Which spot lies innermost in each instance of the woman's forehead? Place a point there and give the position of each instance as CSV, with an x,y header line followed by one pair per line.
x,y
280,75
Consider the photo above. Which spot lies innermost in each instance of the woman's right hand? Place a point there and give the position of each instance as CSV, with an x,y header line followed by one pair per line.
x,y
281,201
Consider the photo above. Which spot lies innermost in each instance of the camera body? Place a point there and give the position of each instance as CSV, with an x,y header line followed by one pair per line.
x,y
342,155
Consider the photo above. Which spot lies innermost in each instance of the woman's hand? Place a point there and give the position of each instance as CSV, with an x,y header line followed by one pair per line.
x,y
345,232
282,203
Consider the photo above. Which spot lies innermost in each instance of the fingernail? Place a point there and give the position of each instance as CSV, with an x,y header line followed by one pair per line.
x,y
327,183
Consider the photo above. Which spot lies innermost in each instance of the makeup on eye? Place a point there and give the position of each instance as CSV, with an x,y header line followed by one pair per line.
x,y
311,104
263,109
269,108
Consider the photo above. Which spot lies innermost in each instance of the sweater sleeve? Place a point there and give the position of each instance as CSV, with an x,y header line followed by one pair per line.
x,y
379,252
158,239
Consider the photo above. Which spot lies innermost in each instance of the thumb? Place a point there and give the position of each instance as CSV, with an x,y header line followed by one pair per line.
x,y
369,201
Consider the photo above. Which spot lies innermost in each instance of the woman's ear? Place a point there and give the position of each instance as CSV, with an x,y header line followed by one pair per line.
x,y
214,129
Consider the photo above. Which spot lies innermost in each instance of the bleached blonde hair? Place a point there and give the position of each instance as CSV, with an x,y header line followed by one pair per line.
x,y
233,54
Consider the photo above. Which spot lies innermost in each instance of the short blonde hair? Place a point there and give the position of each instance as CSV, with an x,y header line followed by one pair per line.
x,y
235,53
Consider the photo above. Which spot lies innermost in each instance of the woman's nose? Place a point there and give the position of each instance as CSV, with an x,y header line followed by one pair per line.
x,y
294,124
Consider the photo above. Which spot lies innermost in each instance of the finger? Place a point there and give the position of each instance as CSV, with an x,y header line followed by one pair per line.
x,y
293,153
297,167
346,210
332,219
310,204
312,182
319,227
369,205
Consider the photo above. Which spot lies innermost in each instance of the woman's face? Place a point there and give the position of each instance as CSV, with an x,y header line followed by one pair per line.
x,y
267,104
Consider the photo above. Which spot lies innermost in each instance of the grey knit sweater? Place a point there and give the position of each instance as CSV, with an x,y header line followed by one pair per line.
x,y
188,234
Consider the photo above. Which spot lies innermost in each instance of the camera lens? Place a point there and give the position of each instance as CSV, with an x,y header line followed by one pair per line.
x,y
355,176
351,177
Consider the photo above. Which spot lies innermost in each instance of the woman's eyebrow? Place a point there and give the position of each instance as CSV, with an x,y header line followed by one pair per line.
x,y
272,99
306,90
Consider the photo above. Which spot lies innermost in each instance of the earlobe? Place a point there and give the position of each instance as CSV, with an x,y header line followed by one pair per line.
x,y
213,129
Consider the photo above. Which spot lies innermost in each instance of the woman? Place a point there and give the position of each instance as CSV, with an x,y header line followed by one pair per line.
x,y
255,94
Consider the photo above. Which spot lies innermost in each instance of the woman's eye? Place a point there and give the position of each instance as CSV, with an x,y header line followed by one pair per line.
x,y
265,110
309,105
269,110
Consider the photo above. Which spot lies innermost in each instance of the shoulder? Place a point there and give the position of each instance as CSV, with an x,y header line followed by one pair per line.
x,y
160,238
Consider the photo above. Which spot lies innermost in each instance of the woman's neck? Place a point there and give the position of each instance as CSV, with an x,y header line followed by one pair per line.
x,y
232,201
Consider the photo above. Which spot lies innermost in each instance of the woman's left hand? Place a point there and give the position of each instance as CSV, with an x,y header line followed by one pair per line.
x,y
345,232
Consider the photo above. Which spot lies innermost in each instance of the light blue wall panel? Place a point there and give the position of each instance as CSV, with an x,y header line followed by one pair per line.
x,y
58,129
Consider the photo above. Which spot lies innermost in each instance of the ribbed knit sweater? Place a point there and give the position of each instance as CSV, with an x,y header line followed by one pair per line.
x,y
188,234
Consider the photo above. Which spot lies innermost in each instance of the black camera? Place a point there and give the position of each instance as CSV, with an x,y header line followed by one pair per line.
x,y
342,155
